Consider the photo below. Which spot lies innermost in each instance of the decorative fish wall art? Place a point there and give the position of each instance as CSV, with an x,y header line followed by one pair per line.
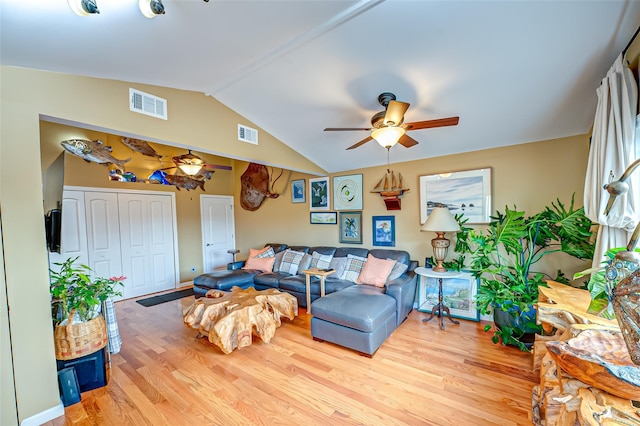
x,y
179,181
140,146
93,151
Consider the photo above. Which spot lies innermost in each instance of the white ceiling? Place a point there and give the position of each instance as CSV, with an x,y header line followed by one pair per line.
x,y
514,71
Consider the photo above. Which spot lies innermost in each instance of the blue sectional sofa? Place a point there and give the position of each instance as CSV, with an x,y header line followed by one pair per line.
x,y
357,316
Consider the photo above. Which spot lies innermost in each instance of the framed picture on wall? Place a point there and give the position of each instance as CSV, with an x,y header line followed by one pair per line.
x,y
298,191
465,192
351,227
319,193
347,192
323,218
384,230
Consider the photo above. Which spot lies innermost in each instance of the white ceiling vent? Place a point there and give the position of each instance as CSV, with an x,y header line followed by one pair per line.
x,y
145,103
247,134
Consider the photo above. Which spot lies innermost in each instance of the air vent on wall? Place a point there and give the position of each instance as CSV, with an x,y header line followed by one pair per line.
x,y
145,103
247,134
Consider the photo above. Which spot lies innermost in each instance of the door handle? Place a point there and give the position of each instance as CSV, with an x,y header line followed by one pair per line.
x,y
209,244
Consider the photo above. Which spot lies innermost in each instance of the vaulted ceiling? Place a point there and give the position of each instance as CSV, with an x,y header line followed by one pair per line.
x,y
513,71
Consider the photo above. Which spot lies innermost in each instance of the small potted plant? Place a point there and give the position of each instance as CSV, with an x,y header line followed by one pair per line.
x,y
503,258
76,299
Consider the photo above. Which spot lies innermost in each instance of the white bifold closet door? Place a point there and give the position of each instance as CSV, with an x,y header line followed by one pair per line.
x,y
117,234
146,241
103,233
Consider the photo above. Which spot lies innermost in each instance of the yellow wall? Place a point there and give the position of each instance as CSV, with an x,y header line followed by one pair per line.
x,y
529,176
195,120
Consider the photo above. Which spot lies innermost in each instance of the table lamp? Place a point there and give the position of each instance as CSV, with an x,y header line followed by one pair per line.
x,y
440,221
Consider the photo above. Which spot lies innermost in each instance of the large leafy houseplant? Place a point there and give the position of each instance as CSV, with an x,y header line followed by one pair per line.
x,y
503,257
73,290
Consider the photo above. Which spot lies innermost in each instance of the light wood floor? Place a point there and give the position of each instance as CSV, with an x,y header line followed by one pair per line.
x,y
419,376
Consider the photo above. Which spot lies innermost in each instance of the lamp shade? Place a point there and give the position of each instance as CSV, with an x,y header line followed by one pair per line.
x,y
388,136
440,220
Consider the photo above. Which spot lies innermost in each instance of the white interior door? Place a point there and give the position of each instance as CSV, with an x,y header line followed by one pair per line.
x,y
103,233
218,230
146,227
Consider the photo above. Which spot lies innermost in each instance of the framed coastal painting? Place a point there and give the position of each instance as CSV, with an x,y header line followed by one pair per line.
x,y
347,192
323,218
465,192
458,294
351,227
319,193
298,191
384,230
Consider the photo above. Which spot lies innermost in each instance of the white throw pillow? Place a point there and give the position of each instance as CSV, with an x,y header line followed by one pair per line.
x,y
290,261
320,261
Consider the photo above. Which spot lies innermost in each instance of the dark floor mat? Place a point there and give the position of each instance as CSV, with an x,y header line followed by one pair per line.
x,y
156,300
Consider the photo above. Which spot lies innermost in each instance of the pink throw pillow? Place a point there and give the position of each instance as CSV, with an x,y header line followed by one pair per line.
x,y
256,252
261,264
375,271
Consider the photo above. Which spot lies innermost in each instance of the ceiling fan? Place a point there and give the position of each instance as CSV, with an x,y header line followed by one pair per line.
x,y
388,127
192,164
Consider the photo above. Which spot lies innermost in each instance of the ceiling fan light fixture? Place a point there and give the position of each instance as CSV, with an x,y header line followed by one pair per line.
x,y
388,136
189,163
83,7
190,169
151,8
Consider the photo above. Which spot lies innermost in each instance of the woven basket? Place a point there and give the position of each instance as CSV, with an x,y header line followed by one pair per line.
x,y
76,340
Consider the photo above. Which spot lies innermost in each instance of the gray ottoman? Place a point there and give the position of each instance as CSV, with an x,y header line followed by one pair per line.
x,y
360,317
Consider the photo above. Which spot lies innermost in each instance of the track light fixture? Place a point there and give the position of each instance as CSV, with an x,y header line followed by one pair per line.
x,y
83,7
151,8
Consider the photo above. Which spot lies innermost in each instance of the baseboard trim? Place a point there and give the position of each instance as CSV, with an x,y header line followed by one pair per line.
x,y
44,416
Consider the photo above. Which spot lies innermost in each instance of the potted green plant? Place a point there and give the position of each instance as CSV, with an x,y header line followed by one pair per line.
x,y
503,257
79,329
74,291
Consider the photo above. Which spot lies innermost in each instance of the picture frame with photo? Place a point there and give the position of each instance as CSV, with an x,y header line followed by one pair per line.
x,y
465,192
351,227
458,295
323,218
384,231
319,193
298,191
347,192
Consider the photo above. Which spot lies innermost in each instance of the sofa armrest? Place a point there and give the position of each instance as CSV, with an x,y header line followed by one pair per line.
x,y
232,266
403,289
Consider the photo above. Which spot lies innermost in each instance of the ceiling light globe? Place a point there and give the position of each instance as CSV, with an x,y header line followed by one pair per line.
x,y
151,8
83,7
387,136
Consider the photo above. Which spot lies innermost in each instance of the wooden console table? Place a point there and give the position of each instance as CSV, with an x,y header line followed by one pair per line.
x,y
322,273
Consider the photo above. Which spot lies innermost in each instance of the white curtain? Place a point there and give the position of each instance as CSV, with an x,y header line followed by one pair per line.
x,y
613,148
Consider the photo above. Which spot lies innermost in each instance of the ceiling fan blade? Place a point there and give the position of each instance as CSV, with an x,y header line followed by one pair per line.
x,y
427,124
340,129
216,166
362,142
407,141
395,113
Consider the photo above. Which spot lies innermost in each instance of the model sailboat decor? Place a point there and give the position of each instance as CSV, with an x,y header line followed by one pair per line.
x,y
391,187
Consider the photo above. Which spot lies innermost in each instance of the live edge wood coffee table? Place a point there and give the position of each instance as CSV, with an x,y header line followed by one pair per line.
x,y
229,319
